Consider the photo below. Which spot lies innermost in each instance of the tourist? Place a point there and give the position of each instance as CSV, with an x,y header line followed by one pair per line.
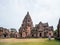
x,y
49,37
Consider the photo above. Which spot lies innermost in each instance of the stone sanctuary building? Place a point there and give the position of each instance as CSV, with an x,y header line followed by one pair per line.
x,y
26,27
58,31
13,33
27,30
4,32
40,30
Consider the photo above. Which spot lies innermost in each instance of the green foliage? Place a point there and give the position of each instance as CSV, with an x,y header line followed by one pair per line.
x,y
55,32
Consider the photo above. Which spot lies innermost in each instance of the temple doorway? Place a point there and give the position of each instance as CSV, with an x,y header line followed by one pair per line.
x,y
40,34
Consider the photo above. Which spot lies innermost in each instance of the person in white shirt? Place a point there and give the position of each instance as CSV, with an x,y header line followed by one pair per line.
x,y
49,37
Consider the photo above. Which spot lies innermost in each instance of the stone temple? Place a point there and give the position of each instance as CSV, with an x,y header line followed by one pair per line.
x,y
58,28
58,31
40,30
26,27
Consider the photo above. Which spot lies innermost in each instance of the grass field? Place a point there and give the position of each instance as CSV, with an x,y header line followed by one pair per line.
x,y
33,41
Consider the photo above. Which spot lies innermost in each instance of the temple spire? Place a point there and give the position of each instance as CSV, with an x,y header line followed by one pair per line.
x,y
26,26
27,12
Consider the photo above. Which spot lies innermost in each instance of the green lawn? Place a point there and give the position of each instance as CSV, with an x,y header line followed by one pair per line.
x,y
39,41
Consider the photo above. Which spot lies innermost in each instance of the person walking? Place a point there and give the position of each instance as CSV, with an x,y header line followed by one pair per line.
x,y
49,37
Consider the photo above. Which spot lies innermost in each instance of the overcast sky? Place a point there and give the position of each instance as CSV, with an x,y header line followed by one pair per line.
x,y
12,12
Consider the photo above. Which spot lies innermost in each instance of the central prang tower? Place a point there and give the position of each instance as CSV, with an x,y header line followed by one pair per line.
x,y
26,27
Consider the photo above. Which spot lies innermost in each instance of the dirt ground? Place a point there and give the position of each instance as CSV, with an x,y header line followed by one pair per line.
x,y
23,40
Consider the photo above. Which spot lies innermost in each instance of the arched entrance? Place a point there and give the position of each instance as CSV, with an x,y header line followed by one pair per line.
x,y
40,34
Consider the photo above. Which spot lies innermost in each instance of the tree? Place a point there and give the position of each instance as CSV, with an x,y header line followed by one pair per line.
x,y
55,32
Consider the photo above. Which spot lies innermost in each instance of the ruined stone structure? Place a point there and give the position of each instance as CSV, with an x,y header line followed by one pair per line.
x,y
28,31
58,28
26,27
13,33
4,32
1,32
58,31
40,30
